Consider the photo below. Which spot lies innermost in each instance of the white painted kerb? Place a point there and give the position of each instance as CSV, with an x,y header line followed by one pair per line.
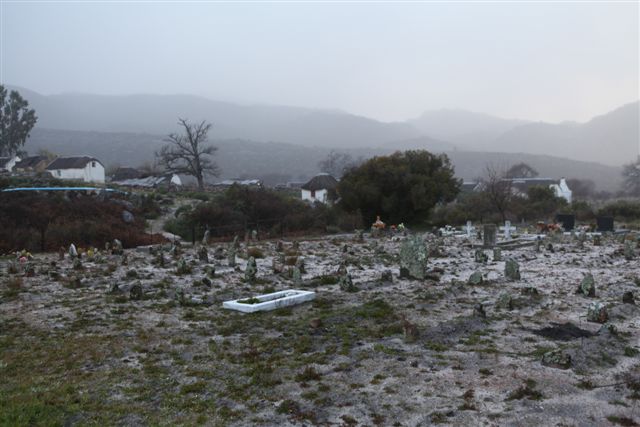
x,y
271,301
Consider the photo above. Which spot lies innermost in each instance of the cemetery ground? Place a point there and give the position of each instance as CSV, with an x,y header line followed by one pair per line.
x,y
142,339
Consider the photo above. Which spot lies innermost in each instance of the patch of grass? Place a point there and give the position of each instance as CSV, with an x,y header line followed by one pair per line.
x,y
527,390
630,352
197,387
377,309
255,252
249,301
485,372
622,421
309,374
435,346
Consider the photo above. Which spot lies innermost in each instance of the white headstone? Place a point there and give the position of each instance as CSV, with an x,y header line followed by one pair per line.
x,y
507,230
469,229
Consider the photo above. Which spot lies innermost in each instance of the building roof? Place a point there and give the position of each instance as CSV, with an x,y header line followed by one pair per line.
x,y
526,183
71,162
323,181
30,162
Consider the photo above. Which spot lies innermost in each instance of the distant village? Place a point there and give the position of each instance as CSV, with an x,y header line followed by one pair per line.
x,y
92,170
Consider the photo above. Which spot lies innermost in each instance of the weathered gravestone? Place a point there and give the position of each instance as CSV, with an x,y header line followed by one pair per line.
x,y
568,221
605,223
512,269
489,232
588,286
251,270
413,258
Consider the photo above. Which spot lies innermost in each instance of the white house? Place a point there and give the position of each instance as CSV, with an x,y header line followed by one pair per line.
x,y
88,169
7,163
559,187
562,190
317,189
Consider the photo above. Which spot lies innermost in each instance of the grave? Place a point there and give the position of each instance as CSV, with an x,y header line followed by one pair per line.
x,y
489,235
507,229
605,223
271,301
568,221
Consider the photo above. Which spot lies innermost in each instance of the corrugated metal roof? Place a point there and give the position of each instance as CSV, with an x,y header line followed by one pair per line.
x,y
71,162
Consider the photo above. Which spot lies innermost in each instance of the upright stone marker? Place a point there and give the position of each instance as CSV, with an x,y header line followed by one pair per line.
x,y
489,235
413,258
469,229
507,230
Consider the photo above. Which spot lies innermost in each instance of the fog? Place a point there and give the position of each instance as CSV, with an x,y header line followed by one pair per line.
x,y
390,62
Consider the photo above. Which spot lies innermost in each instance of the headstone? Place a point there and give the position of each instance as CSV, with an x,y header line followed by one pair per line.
x,y
135,293
344,279
628,298
183,268
413,258
73,252
597,240
568,221
505,302
512,269
480,257
597,312
508,229
279,246
489,235
469,229
297,276
588,286
117,247
231,256
386,276
205,238
605,223
497,254
251,270
557,359
203,254
475,278
300,264
61,253
218,253
629,250
236,242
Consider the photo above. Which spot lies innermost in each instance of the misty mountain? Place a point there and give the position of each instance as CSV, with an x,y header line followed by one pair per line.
x,y
467,128
157,114
282,162
612,138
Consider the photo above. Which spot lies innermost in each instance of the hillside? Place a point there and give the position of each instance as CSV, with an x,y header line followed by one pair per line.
x,y
158,114
283,162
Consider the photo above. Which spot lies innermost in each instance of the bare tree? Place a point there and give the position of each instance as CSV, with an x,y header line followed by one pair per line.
x,y
187,153
336,163
498,190
631,178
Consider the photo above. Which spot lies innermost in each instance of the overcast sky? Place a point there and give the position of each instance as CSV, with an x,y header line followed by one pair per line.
x,y
389,61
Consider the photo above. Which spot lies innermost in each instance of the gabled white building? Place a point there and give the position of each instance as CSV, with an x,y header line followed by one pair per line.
x,y
7,163
317,189
88,169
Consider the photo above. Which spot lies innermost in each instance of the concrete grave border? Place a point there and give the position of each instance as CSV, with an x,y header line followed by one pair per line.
x,y
271,301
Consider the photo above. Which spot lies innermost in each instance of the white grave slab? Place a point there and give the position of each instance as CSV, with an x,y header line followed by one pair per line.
x,y
268,302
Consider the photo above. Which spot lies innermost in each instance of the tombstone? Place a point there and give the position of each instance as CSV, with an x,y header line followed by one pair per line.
x,y
597,312
107,247
588,286
604,223
478,311
386,276
276,266
557,359
61,253
489,232
628,298
469,229
210,271
279,246
231,256
359,237
77,264
497,254
480,257
475,278
344,279
597,240
127,217
251,270
512,269
505,301
236,242
135,293
296,274
205,238
629,251
117,247
508,230
538,243
568,221
254,235
203,254
295,246
413,258
73,252
183,268
300,264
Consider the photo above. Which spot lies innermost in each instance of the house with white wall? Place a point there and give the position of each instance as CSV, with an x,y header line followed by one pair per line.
x,y
7,163
317,189
559,187
84,168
